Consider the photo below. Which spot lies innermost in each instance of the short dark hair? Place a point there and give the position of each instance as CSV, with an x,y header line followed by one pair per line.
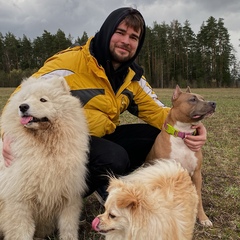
x,y
135,20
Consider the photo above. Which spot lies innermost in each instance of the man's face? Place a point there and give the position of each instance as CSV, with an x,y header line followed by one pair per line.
x,y
123,44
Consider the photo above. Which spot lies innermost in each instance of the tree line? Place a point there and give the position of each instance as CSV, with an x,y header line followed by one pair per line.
x,y
172,54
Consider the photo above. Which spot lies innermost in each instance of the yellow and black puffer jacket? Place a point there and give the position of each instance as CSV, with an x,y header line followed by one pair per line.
x,y
104,92
88,81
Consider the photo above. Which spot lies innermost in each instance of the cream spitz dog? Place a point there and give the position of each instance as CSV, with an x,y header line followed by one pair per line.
x,y
157,202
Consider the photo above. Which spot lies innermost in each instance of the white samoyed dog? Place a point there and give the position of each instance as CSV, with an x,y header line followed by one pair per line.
x,y
42,190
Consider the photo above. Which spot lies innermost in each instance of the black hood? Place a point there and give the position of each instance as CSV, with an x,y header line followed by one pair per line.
x,y
102,39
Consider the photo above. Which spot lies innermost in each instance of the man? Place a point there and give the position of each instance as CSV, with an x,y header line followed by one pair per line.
x,y
105,77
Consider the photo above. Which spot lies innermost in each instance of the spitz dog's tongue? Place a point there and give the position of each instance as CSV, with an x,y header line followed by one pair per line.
x,y
26,120
95,223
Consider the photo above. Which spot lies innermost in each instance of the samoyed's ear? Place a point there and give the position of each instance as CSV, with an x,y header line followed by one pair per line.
x,y
55,81
59,82
64,84
28,81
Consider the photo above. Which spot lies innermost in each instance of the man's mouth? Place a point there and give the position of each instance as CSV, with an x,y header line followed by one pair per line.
x,y
123,48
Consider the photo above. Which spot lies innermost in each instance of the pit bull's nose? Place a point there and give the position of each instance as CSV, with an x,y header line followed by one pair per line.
x,y
213,104
24,107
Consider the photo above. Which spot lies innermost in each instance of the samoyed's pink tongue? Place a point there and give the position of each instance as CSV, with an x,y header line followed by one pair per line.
x,y
25,120
95,223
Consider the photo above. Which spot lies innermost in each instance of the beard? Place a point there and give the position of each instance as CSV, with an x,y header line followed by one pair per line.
x,y
119,57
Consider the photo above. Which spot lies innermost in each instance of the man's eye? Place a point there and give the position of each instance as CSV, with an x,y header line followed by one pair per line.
x,y
118,32
134,38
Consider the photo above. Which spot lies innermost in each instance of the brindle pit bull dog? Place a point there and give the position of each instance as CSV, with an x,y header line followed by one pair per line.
x,y
187,110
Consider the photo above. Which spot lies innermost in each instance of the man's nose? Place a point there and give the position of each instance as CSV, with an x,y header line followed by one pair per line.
x,y
126,39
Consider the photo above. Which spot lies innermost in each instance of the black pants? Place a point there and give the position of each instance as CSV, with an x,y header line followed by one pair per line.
x,y
118,153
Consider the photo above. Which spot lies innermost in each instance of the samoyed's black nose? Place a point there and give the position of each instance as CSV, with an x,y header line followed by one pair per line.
x,y
24,107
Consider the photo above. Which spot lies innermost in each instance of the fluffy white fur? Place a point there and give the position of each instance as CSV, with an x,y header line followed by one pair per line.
x,y
42,190
157,202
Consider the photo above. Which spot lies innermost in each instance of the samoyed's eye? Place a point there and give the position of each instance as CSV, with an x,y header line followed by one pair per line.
x,y
111,215
43,100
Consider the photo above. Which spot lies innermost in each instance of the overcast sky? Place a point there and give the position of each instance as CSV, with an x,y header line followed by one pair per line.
x,y
32,17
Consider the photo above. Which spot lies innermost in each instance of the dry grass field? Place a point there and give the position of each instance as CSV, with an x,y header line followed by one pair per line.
x,y
221,167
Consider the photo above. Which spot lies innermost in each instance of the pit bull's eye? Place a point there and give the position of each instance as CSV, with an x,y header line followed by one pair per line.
x,y
111,215
193,99
43,100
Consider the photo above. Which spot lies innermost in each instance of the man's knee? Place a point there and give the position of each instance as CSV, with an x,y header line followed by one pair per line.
x,y
118,160
107,156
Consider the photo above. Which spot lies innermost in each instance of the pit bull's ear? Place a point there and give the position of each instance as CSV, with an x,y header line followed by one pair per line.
x,y
176,93
188,89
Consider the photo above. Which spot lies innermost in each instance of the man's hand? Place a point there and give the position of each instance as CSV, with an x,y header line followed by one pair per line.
x,y
196,142
6,151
